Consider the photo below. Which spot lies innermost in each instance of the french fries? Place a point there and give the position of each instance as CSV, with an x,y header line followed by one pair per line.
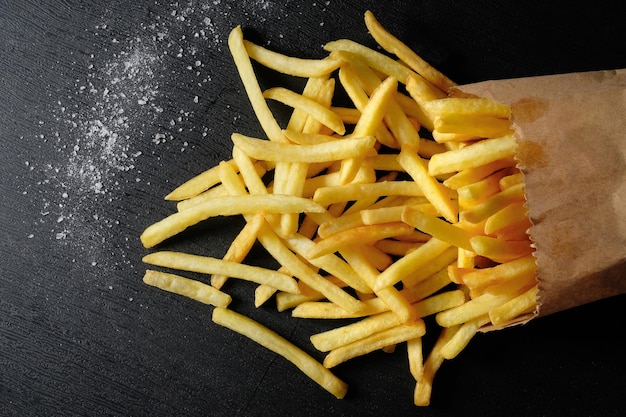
x,y
368,220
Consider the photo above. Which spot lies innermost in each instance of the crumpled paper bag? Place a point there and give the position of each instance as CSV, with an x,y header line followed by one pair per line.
x,y
571,130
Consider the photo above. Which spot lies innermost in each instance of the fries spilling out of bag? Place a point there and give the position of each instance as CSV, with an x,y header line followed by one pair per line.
x,y
404,204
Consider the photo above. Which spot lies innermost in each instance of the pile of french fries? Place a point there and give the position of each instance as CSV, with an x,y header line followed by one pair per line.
x,y
403,205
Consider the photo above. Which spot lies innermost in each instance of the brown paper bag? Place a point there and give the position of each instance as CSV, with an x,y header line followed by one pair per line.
x,y
571,130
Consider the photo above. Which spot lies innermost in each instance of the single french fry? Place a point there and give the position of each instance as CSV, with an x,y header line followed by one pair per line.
x,y
217,191
374,59
249,174
500,250
262,293
472,156
495,203
516,269
225,206
511,180
322,152
251,85
362,234
190,288
340,336
381,215
437,228
479,191
467,106
393,45
410,263
316,110
240,246
417,168
511,214
394,335
396,247
462,337
340,224
438,303
473,126
272,341
472,309
302,138
208,265
435,265
415,355
472,175
196,185
352,192
508,311
424,386
298,67
369,123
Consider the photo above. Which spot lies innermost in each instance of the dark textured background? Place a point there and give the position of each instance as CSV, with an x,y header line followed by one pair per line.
x,y
106,106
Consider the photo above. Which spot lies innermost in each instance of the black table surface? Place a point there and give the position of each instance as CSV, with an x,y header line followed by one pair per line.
x,y
106,106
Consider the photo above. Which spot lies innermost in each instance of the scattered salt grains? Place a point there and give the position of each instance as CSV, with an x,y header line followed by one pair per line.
x,y
113,110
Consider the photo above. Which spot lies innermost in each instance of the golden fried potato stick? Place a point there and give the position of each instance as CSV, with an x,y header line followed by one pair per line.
x,y
424,386
311,107
523,303
467,106
500,250
410,263
374,59
285,152
495,203
209,265
197,184
225,206
472,175
437,228
276,343
388,337
298,67
472,309
472,156
186,287
326,196
511,214
417,168
517,269
369,123
251,85
471,126
362,234
340,336
415,355
479,191
393,45
240,246
463,336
